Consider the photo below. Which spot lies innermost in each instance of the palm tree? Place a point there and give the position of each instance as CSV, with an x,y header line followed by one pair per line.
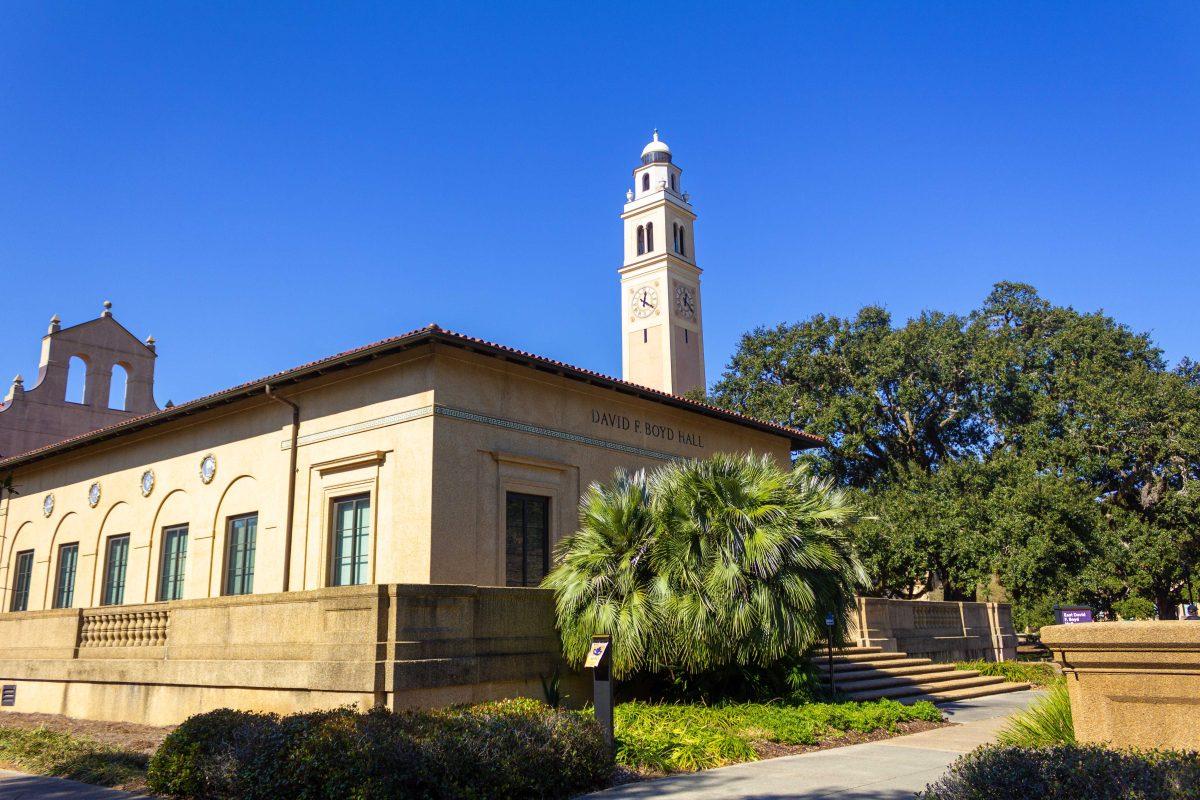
x,y
705,564
603,582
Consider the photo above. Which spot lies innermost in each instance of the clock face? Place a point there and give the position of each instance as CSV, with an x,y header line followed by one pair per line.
x,y
645,301
48,505
147,482
94,495
208,468
685,302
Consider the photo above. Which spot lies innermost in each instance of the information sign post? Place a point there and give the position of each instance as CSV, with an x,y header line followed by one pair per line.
x,y
829,623
599,660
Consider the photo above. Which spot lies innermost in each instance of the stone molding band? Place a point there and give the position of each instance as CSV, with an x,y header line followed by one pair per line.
x,y
471,416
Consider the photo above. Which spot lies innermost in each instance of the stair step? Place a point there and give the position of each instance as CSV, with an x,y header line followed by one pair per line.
x,y
859,666
888,681
952,695
883,671
855,655
849,651
925,688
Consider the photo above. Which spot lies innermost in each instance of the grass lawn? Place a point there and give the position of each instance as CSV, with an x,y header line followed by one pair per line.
x,y
1038,673
653,738
100,753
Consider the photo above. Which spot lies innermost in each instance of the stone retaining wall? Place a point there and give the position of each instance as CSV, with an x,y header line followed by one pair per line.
x,y
393,644
939,630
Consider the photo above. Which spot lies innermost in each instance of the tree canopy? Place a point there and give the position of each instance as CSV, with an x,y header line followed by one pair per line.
x,y
1045,449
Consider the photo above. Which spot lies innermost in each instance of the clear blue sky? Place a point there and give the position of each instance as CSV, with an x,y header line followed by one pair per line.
x,y
261,184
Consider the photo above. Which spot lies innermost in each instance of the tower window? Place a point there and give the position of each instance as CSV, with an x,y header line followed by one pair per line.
x,y
649,237
645,181
641,236
682,245
675,236
685,335
672,182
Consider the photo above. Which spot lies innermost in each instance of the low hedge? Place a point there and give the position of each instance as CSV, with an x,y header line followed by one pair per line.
x,y
1069,772
678,737
1039,673
512,748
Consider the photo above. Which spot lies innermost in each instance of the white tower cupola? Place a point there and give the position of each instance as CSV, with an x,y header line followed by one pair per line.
x,y
662,335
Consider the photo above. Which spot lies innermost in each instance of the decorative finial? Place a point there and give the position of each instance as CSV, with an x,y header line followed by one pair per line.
x,y
656,134
107,309
18,381
629,195
55,324
170,404
150,342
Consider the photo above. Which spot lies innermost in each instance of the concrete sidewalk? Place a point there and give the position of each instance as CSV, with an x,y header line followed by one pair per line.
x,y
19,786
888,770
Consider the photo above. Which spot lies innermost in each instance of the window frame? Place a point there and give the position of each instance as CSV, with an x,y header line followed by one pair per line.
x,y
62,587
360,558
22,581
246,577
547,502
106,586
171,586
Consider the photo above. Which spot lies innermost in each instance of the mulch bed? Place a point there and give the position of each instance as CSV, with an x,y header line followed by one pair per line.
x,y
126,735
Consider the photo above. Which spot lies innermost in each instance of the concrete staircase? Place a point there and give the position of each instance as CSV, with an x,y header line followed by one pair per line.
x,y
869,673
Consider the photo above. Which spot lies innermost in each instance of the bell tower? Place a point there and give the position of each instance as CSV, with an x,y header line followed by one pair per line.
x,y
662,339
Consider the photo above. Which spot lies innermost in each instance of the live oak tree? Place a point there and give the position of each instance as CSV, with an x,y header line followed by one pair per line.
x,y
1046,448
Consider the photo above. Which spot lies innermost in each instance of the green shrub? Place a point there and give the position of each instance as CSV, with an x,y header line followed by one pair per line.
x,y
46,752
1069,772
1039,673
512,748
680,738
1135,607
1047,722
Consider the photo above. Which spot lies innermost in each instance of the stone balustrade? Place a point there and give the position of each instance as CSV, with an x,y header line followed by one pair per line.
x,y
145,626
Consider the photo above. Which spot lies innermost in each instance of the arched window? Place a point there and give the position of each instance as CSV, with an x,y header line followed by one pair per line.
x,y
645,181
682,245
672,181
641,240
649,237
118,388
675,236
76,380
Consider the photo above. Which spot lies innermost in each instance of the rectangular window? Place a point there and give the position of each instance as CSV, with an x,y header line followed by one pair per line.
x,y
24,576
64,583
240,535
116,559
351,539
527,545
174,560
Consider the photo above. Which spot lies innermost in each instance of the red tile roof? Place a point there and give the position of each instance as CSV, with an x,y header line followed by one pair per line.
x,y
429,334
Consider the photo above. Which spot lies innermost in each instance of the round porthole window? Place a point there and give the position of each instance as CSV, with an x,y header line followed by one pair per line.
x,y
48,505
94,495
208,468
147,482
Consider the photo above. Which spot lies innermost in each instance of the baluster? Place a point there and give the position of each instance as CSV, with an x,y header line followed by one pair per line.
x,y
143,633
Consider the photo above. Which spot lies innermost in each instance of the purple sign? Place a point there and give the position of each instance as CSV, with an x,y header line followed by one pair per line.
x,y
1071,616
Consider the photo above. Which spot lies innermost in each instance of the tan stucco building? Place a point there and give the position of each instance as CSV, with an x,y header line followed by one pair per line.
x,y
437,434
328,534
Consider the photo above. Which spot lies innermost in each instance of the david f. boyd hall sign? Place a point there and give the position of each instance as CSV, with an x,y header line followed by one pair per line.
x,y
645,427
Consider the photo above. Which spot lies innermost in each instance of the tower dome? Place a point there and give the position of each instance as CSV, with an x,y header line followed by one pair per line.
x,y
657,150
